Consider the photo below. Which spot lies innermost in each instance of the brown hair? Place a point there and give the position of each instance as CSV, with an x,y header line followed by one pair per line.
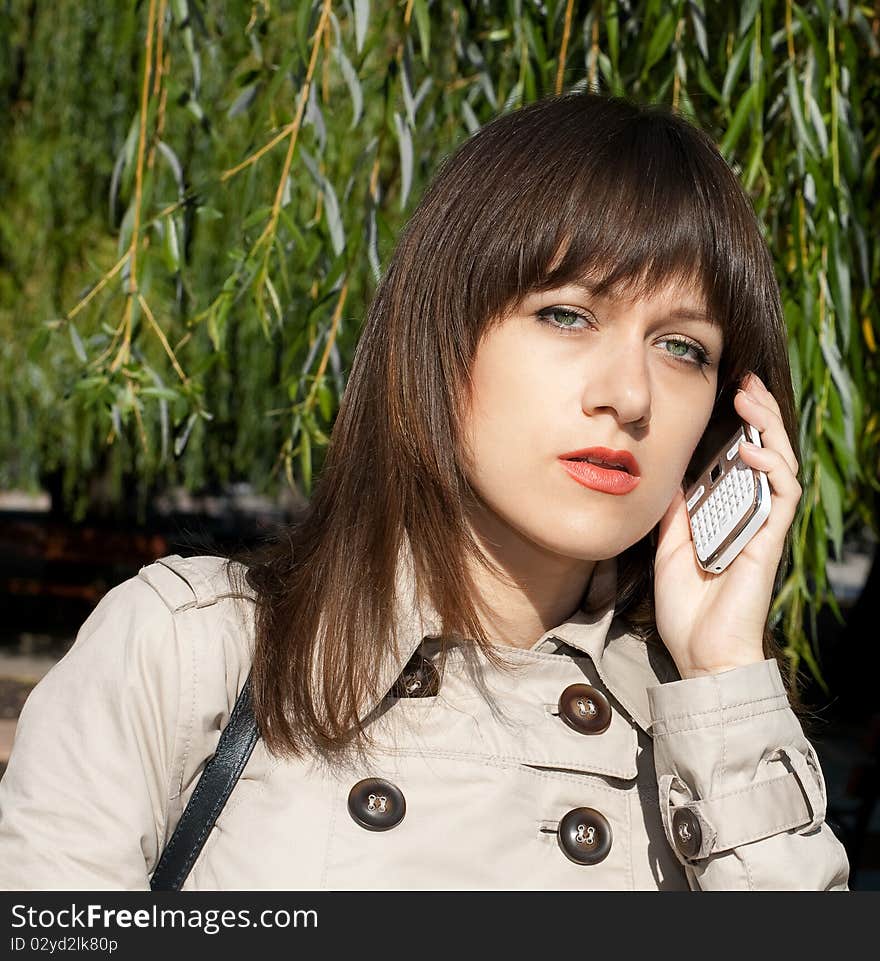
x,y
635,196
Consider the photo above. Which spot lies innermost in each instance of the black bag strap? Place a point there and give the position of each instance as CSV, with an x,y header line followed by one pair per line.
x,y
218,779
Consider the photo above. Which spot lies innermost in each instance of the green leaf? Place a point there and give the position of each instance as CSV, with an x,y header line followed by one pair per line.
x,y
817,121
660,41
39,343
331,204
180,441
78,348
535,41
840,283
361,20
794,361
305,460
706,82
820,535
469,117
276,303
794,100
303,28
85,384
243,101
830,486
165,393
832,357
606,69
325,401
698,19
174,164
734,69
737,124
217,323
405,145
612,32
835,429
747,15
354,87
170,246
423,22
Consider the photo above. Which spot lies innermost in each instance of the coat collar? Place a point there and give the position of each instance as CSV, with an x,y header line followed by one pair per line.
x,y
623,661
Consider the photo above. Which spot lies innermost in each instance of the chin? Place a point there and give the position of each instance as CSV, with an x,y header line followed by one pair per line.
x,y
584,545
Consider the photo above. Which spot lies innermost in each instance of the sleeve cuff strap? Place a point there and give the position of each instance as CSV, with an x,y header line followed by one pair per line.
x,y
795,799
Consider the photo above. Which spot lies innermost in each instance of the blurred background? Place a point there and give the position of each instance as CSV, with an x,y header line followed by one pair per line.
x,y
197,200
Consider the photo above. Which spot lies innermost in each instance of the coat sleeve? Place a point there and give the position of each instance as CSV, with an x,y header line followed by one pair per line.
x,y
83,802
742,796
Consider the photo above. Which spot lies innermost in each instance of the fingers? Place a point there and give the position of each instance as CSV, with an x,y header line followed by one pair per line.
x,y
782,481
674,523
757,406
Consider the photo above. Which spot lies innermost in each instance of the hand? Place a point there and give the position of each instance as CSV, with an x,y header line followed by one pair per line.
x,y
714,622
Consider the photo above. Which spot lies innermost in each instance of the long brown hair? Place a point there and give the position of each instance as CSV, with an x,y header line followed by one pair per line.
x,y
635,196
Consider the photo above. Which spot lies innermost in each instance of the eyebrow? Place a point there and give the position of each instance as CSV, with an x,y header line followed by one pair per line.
x,y
680,313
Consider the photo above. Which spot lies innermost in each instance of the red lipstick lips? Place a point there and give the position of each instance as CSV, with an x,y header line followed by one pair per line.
x,y
602,469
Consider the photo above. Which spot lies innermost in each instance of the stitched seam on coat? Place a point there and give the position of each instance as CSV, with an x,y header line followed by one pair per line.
x,y
746,790
745,863
216,807
515,760
765,833
631,846
194,678
736,720
170,786
551,774
722,707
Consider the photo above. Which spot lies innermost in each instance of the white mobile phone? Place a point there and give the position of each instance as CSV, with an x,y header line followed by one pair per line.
x,y
727,501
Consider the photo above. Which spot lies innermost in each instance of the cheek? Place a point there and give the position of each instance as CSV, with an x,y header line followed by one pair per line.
x,y
509,414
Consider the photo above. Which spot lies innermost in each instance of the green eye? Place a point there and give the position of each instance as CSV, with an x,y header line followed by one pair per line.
x,y
700,355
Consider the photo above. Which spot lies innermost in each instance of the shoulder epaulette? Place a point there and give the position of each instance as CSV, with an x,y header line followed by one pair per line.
x,y
187,582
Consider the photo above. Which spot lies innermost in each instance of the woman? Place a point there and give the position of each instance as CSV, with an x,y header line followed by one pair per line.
x,y
469,669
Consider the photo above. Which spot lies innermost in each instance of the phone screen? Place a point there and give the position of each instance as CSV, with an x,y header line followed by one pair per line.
x,y
724,424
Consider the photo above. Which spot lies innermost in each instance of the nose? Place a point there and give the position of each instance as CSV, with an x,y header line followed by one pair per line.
x,y
620,383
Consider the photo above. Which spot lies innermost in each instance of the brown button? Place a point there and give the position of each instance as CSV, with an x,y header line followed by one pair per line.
x,y
584,836
585,709
419,679
687,832
376,804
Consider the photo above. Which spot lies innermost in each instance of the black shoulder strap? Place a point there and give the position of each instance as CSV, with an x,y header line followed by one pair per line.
x,y
218,779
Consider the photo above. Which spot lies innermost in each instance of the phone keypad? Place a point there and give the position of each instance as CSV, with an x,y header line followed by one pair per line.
x,y
724,507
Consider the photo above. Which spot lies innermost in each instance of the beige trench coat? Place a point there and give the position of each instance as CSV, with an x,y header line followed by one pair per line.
x,y
704,783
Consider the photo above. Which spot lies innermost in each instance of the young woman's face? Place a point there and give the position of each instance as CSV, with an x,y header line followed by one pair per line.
x,y
566,371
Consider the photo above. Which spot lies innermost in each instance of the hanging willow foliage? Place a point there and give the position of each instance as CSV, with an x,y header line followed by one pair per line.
x,y
197,199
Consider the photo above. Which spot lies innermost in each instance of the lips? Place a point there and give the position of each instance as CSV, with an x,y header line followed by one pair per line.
x,y
606,458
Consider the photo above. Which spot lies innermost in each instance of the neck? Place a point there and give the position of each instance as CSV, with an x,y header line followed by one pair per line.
x,y
539,589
